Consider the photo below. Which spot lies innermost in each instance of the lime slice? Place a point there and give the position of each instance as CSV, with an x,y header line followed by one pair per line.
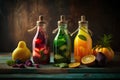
x,y
63,47
57,56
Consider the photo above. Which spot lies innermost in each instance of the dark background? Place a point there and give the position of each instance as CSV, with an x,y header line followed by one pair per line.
x,y
17,16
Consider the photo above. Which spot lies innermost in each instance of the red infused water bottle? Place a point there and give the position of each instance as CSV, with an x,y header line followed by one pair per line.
x,y
41,53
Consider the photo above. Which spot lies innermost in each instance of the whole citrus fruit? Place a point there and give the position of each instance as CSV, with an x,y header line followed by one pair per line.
x,y
21,52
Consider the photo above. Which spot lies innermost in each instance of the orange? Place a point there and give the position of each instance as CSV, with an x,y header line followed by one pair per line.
x,y
88,59
74,64
107,51
94,51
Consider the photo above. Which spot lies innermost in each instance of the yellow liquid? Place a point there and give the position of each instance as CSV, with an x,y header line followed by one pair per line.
x,y
82,44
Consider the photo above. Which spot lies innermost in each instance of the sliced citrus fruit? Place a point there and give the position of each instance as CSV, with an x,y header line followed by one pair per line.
x,y
74,64
88,60
58,56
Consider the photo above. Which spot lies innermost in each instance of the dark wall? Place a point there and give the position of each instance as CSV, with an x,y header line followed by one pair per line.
x,y
17,16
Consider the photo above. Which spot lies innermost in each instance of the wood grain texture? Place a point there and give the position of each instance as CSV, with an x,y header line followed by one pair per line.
x,y
17,16
113,67
110,72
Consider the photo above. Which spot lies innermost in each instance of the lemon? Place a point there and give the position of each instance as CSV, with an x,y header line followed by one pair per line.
x,y
21,52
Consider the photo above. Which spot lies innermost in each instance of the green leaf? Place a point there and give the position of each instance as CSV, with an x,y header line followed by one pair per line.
x,y
105,40
10,62
61,65
41,52
43,55
82,37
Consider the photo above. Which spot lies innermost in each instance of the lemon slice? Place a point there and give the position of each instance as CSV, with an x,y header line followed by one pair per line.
x,y
74,65
88,59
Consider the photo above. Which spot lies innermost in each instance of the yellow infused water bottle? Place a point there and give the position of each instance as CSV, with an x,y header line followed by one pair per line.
x,y
82,41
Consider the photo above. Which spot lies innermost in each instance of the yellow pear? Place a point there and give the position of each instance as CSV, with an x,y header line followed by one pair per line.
x,y
21,52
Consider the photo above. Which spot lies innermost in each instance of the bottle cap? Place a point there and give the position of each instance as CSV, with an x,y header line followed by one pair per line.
x,y
41,20
38,23
62,20
83,20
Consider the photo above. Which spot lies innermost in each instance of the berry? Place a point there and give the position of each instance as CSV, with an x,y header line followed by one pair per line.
x,y
21,66
29,63
37,66
101,59
17,61
15,66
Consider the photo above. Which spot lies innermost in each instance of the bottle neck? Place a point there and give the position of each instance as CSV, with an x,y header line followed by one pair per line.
x,y
62,26
83,27
41,28
62,29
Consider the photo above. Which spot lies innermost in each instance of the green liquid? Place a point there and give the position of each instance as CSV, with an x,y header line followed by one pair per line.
x,y
62,46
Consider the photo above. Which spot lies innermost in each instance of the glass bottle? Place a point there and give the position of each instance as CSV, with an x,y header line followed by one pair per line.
x,y
82,41
41,54
62,43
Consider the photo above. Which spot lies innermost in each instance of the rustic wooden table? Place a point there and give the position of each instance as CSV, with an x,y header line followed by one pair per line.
x,y
111,71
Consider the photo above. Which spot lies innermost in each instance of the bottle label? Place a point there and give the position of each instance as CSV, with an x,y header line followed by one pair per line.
x,y
82,37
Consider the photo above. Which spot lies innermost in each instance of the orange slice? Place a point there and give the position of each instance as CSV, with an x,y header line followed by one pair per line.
x,y
88,60
74,65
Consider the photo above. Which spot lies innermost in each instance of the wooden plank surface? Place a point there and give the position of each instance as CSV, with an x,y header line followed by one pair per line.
x,y
47,72
113,67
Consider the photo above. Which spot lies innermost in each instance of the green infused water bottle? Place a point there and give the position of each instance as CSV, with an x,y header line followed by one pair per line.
x,y
62,43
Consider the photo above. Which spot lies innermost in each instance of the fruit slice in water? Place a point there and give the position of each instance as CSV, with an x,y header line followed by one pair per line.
x,y
57,56
74,65
64,47
88,60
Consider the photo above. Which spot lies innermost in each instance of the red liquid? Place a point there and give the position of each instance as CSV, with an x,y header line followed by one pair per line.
x,y
40,47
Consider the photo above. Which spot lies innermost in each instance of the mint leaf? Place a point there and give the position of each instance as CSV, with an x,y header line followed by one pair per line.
x,y
42,52
82,37
43,56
